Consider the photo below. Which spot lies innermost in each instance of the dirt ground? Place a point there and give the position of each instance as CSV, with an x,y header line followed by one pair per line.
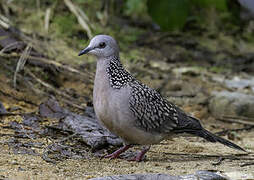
x,y
176,158
183,155
186,82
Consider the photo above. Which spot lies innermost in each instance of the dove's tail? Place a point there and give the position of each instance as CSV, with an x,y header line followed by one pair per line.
x,y
214,138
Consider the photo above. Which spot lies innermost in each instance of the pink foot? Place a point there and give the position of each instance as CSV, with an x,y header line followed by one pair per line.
x,y
117,152
140,155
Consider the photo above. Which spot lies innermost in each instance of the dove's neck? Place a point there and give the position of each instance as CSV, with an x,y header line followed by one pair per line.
x,y
113,69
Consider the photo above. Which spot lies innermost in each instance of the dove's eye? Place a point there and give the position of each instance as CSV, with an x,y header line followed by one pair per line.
x,y
102,45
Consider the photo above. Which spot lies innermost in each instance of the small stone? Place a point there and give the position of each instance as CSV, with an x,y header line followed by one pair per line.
x,y
2,108
21,169
14,162
231,104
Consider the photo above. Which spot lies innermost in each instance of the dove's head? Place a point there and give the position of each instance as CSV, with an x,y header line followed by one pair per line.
x,y
102,46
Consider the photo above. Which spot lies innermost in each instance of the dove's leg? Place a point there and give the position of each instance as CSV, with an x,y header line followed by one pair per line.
x,y
141,154
118,152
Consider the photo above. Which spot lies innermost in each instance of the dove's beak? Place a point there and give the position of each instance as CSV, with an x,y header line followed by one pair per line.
x,y
85,51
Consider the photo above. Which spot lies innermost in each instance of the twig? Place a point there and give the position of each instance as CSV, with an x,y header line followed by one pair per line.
x,y
38,5
238,120
28,83
19,99
234,130
219,161
52,62
25,132
48,86
4,22
10,46
21,63
163,84
67,138
55,128
59,65
46,20
239,117
247,164
206,156
80,16
13,114
2,135
47,149
63,94
73,104
45,155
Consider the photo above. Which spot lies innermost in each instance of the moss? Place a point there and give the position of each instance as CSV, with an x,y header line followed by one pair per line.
x,y
218,69
64,25
132,56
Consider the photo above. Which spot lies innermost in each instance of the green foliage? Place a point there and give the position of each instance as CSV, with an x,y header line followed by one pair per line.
x,y
173,14
169,14
220,5
63,25
135,7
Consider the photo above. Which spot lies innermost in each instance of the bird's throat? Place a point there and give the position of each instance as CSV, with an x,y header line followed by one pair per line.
x,y
118,76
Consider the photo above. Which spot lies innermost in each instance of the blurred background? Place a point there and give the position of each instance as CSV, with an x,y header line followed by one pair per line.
x,y
198,54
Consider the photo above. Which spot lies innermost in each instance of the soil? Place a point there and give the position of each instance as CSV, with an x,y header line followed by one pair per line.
x,y
182,155
171,157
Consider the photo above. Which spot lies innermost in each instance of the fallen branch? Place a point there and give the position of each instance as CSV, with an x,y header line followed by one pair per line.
x,y
52,62
58,92
235,119
82,18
